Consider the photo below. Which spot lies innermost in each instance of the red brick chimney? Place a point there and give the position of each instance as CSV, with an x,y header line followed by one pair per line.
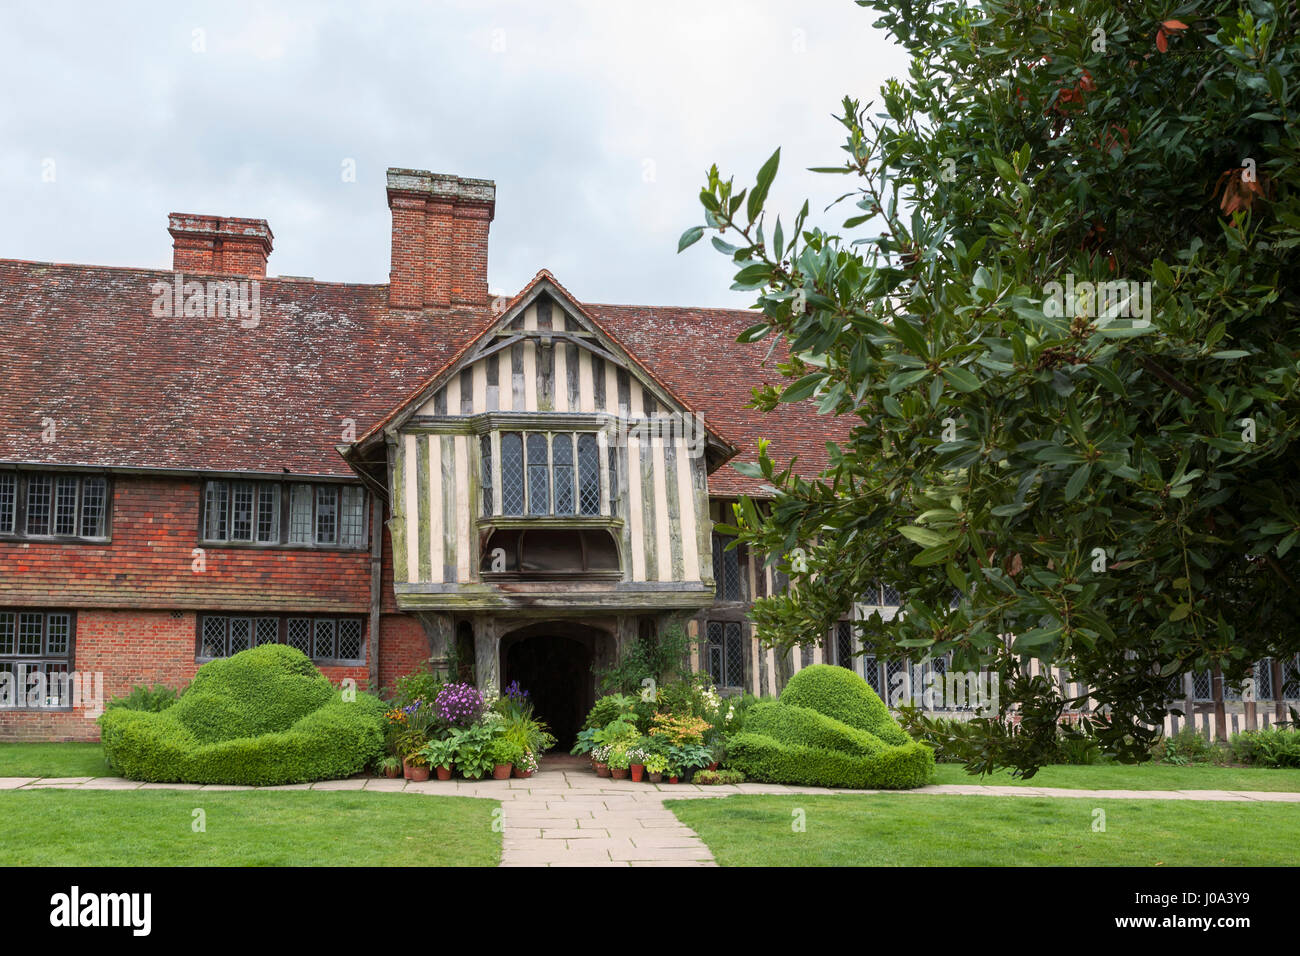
x,y
219,244
440,238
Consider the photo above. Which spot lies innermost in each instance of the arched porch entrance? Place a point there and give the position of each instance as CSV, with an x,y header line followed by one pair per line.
x,y
553,662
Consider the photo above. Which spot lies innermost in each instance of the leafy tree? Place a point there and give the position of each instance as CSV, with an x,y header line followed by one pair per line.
x,y
1052,473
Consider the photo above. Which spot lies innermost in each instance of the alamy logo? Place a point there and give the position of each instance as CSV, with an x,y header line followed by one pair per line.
x,y
1105,300
28,687
214,299
74,909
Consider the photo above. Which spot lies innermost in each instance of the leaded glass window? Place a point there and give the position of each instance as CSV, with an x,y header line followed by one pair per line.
x,y
539,474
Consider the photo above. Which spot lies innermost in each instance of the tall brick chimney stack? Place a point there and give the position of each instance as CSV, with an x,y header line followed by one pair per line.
x,y
440,238
219,244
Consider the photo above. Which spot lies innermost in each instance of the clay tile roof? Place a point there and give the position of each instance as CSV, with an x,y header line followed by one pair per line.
x,y
79,345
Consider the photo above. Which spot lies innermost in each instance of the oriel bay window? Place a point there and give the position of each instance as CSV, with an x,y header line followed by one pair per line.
x,y
325,639
548,473
46,505
273,513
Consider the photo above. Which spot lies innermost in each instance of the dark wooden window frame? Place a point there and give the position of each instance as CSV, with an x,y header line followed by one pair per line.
x,y
21,481
43,658
282,633
285,505
574,465
725,656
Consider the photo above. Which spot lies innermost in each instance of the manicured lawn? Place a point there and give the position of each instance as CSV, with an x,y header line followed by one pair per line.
x,y
53,760
1114,776
245,828
902,830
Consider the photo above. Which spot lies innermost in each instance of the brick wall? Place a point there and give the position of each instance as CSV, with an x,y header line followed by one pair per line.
x,y
149,564
130,647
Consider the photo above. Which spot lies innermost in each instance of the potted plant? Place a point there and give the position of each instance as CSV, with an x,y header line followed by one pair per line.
x,y
441,755
637,758
656,765
472,745
527,765
619,761
417,767
600,760
503,753
390,766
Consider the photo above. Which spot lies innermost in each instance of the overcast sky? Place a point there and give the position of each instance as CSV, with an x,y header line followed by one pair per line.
x,y
597,120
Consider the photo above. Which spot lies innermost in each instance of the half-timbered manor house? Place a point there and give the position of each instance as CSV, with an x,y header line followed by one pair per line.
x,y
197,460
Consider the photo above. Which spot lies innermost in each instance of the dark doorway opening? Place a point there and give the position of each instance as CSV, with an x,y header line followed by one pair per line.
x,y
556,671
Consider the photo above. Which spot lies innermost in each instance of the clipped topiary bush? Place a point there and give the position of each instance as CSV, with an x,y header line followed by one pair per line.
x,y
799,726
766,759
838,692
264,717
829,729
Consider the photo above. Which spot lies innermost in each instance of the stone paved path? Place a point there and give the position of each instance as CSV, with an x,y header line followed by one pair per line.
x,y
571,817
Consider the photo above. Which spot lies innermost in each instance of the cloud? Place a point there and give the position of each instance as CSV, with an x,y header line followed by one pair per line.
x,y
597,120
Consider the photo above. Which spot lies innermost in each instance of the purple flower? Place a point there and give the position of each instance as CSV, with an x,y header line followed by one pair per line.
x,y
459,704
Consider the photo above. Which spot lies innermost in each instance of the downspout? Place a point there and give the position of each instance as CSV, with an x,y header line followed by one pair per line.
x,y
376,585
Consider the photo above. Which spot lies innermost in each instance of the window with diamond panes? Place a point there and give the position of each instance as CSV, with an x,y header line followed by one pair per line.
x,y
892,679
298,634
512,473
485,460
726,570
539,474
1203,685
268,630
871,671
1291,678
241,634
323,639
562,472
612,454
726,653
589,475
349,647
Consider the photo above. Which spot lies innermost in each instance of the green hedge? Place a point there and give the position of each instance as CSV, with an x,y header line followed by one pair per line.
x,y
764,758
801,727
263,717
838,692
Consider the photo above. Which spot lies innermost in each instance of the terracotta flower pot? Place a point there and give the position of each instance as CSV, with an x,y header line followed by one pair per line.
x,y
392,772
406,769
672,779
522,774
602,770
502,771
656,777
444,773
638,771
419,774
619,773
